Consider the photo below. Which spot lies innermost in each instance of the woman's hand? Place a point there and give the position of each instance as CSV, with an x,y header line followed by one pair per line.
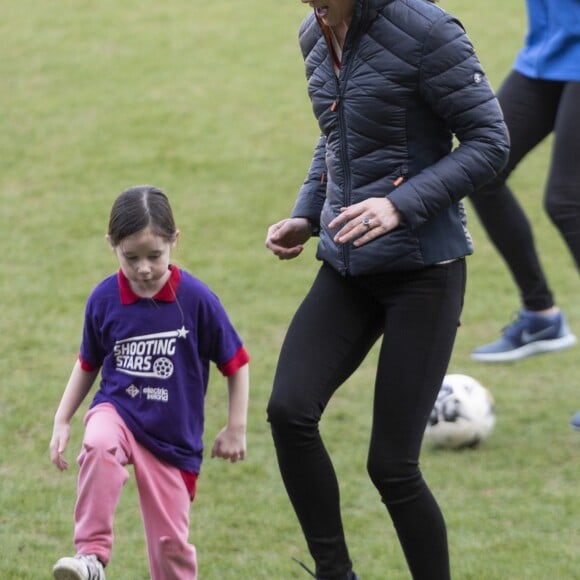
x,y
365,221
286,238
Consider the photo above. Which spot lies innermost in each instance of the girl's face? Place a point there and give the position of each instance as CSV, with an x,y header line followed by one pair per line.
x,y
144,259
333,12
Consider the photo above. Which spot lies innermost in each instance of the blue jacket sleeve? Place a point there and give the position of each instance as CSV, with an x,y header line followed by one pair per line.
x,y
452,82
313,191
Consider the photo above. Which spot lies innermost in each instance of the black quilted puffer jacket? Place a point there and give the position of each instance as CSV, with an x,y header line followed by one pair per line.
x,y
411,117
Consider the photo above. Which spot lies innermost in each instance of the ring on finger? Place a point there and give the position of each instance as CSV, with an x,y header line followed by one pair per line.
x,y
366,222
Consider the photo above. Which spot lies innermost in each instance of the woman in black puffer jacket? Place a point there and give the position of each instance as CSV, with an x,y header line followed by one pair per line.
x,y
392,83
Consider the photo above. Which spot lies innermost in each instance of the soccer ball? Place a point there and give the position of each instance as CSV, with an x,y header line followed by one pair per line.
x,y
463,414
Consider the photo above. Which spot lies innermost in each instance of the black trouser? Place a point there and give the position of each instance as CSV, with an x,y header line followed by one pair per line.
x,y
335,327
533,109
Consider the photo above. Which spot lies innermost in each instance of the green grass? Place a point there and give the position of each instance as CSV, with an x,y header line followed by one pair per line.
x,y
207,100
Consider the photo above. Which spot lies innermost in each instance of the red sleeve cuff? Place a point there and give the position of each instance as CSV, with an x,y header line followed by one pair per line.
x,y
236,362
87,367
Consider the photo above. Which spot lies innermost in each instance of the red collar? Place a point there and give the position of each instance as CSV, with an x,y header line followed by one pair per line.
x,y
166,294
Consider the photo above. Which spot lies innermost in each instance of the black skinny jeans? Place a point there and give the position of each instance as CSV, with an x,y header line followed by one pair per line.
x,y
533,109
331,333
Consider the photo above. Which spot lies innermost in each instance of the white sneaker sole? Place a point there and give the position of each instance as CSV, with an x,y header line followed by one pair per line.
x,y
69,571
537,347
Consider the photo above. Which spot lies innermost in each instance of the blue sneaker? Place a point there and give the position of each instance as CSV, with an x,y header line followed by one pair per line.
x,y
529,334
575,422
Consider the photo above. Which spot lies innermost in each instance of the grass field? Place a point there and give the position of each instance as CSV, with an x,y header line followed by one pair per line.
x,y
207,100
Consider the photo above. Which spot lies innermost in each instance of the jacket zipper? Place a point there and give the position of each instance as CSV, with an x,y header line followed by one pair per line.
x,y
341,82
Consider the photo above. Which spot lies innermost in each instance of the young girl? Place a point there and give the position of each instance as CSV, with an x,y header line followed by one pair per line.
x,y
151,330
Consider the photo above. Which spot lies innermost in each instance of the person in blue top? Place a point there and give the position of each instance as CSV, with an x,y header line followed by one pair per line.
x,y
151,330
539,97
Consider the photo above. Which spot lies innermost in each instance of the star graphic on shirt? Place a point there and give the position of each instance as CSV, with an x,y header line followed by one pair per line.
x,y
182,332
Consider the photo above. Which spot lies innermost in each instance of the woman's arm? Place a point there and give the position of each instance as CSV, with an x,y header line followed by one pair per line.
x,y
453,83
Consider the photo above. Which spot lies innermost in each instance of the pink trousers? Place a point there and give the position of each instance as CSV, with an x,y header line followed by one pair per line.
x,y
108,446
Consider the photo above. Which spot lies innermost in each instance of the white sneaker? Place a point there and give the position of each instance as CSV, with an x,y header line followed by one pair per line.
x,y
81,567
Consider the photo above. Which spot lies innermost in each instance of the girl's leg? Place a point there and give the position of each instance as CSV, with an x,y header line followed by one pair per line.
x,y
165,504
422,316
330,334
101,478
530,108
563,189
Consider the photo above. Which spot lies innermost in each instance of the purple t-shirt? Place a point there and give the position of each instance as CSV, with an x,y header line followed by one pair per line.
x,y
155,356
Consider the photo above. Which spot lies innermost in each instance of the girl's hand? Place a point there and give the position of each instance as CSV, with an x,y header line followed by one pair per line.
x,y
286,238
58,445
365,221
230,444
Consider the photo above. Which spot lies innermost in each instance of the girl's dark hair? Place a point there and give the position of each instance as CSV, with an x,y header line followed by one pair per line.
x,y
140,207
